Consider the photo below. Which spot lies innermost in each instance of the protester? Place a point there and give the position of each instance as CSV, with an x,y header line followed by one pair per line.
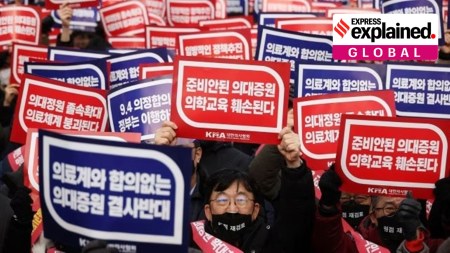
x,y
233,205
166,135
75,38
15,214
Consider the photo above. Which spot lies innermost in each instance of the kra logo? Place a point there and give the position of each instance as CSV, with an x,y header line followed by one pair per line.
x,y
341,28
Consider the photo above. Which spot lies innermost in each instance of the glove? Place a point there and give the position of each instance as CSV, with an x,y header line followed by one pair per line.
x,y
409,217
329,184
13,180
98,246
21,205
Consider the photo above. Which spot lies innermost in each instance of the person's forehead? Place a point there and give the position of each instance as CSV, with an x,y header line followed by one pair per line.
x,y
233,189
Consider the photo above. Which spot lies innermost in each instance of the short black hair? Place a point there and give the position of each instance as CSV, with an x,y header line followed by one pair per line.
x,y
224,178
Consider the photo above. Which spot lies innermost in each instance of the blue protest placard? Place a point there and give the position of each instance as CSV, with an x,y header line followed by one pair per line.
x,y
134,196
83,19
277,45
237,7
327,78
420,90
64,54
125,68
415,7
85,74
140,106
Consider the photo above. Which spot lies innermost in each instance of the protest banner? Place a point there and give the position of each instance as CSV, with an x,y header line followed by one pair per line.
x,y
131,195
237,7
155,8
152,70
317,120
84,19
326,78
125,68
85,74
391,156
24,53
20,24
140,107
187,13
31,163
421,90
126,18
229,100
16,157
220,44
47,103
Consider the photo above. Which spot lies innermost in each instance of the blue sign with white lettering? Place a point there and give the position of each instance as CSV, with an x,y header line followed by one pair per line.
x,y
415,7
83,19
140,106
278,45
328,78
420,90
237,7
134,196
125,68
86,74
64,54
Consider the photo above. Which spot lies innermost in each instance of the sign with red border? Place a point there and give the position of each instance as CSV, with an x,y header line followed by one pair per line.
x,y
21,24
391,156
24,53
230,100
219,44
124,19
47,103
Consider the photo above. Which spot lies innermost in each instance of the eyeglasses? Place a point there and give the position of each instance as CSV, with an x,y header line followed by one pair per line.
x,y
357,198
224,201
388,210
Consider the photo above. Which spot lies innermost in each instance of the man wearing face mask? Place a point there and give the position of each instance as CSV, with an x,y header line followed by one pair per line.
x,y
233,204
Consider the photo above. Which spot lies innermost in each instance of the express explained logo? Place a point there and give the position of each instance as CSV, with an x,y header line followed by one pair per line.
x,y
341,28
374,28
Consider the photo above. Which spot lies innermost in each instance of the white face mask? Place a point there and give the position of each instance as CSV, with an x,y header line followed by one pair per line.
x,y
4,76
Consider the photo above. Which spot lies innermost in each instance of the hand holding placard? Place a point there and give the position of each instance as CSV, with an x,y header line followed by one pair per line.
x,y
408,215
289,147
166,135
